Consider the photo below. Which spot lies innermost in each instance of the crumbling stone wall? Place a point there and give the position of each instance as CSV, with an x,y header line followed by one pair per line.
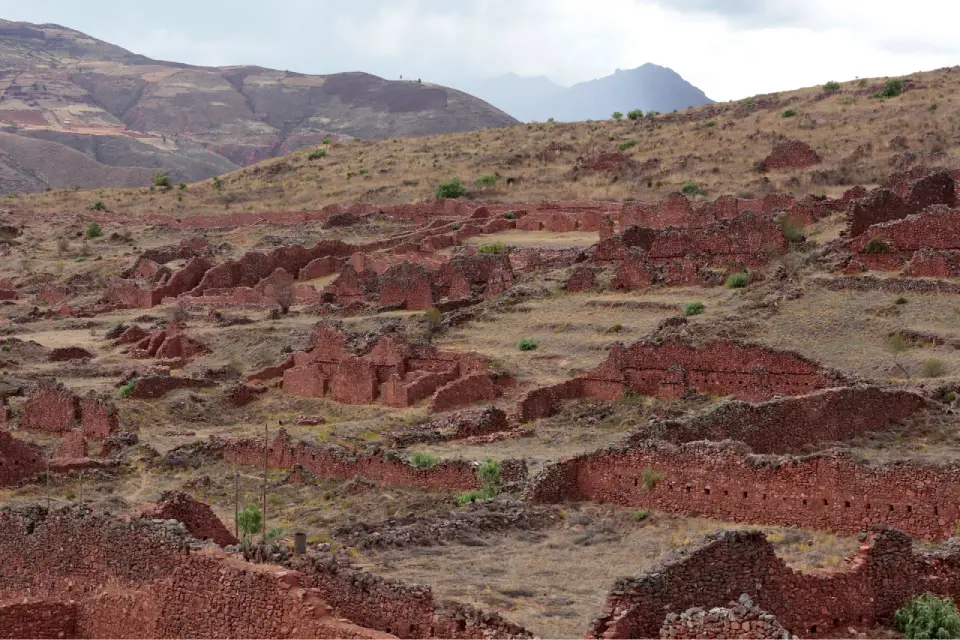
x,y
38,618
196,516
786,425
19,460
934,232
169,344
885,205
878,579
670,368
830,491
72,446
791,154
55,409
739,619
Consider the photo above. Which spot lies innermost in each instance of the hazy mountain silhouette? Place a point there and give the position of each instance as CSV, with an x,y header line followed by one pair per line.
x,y
649,87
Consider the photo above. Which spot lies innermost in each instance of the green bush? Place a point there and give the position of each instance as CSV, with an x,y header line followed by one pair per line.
x,y
471,496
927,616
487,180
792,230
651,114
161,180
636,114
691,189
422,460
510,215
616,115
626,144
876,245
217,183
693,308
710,123
641,515
489,474
831,87
98,206
789,113
249,521
94,230
738,280
491,249
527,344
651,479
182,185
327,141
127,388
900,300
893,88
452,189
317,154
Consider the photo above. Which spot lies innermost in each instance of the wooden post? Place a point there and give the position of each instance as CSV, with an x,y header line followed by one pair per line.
x,y
266,453
236,502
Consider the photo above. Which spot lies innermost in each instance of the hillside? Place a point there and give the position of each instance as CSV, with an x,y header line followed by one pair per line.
x,y
719,147
125,110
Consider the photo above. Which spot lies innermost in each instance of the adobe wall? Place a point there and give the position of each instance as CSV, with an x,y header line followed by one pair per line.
x,y
52,408
883,574
828,491
671,368
381,466
196,516
885,205
787,425
790,154
935,231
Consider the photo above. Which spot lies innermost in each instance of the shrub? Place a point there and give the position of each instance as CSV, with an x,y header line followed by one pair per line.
x,y
789,113
626,144
471,496
616,115
527,344
94,230
641,515
792,230
876,245
217,183
934,368
651,114
182,186
249,521
900,300
893,88
489,474
636,114
510,215
651,479
928,616
327,141
63,245
710,123
487,180
317,154
693,308
738,280
831,87
422,460
161,180
492,249
433,315
127,388
691,189
80,259
452,189
98,206
274,532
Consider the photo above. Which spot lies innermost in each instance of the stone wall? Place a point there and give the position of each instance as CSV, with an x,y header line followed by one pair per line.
x,y
791,154
143,578
19,460
53,408
740,619
196,516
788,425
38,618
933,233
830,491
885,204
670,368
878,579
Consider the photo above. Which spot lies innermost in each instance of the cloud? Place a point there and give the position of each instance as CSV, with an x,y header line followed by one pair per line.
x,y
729,48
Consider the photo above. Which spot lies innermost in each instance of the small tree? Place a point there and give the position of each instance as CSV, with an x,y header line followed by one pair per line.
x,y
98,206
691,189
161,180
616,115
452,189
897,345
317,154
249,521
831,87
636,114
94,230
285,299
893,88
927,616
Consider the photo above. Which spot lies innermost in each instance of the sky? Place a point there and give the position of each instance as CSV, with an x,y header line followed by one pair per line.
x,y
731,49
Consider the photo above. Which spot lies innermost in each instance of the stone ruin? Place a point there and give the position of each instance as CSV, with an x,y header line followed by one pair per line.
x,y
52,408
170,345
671,368
196,516
392,372
921,245
792,154
739,619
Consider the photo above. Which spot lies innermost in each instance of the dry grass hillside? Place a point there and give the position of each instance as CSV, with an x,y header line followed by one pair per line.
x,y
860,139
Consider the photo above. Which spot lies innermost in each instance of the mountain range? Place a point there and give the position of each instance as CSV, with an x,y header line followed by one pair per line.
x,y
649,87
77,111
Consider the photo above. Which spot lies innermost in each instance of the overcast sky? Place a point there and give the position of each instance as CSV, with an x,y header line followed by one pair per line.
x,y
729,48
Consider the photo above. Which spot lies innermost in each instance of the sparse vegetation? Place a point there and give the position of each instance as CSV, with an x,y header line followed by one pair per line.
x,y
900,300
636,114
792,229
527,344
452,189
738,280
162,181
693,308
934,368
491,249
692,189
789,113
487,180
641,515
616,115
98,206
928,616
831,87
510,215
651,478
126,388
94,230
897,345
421,460
876,245
892,89
626,144
317,154
489,475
